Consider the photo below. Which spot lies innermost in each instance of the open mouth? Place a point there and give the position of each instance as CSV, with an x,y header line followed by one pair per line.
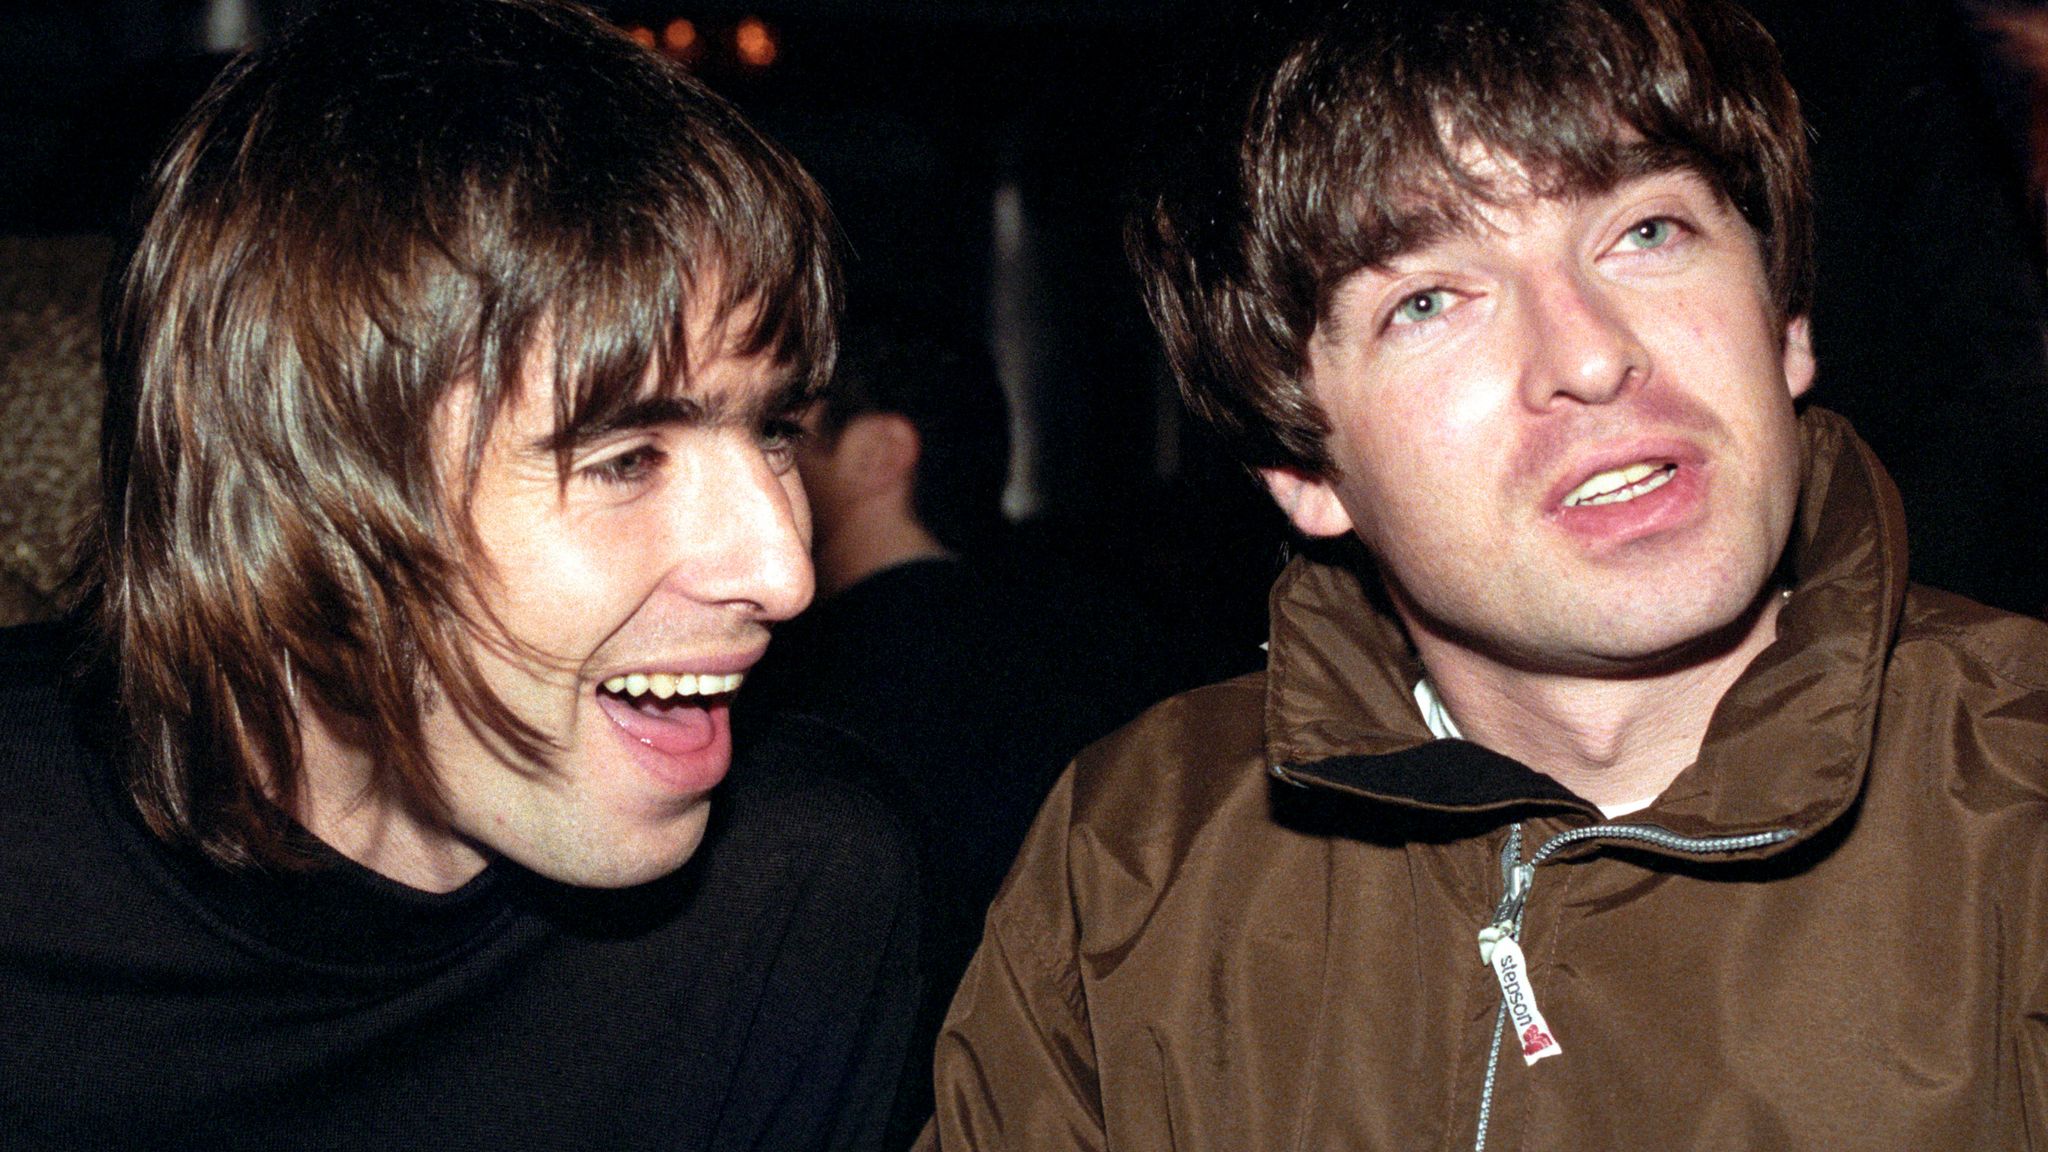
x,y
649,689
663,695
672,713
1619,485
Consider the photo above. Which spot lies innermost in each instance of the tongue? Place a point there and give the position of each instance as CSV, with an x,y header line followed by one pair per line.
x,y
673,729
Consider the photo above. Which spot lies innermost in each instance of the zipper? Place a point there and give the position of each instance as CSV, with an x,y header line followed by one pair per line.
x,y
1499,940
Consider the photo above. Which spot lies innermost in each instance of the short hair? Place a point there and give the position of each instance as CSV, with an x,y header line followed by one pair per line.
x,y
1349,139
944,382
396,198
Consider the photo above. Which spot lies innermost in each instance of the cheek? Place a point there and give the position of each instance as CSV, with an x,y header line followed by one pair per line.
x,y
1426,410
552,574
1435,438
1458,409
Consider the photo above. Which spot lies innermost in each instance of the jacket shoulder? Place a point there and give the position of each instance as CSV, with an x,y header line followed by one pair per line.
x,y
1154,810
1966,703
1975,679
1180,760
1960,635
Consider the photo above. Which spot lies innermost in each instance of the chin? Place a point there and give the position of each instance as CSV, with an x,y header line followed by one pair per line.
x,y
595,858
1681,634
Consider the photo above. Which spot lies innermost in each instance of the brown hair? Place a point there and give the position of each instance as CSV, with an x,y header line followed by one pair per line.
x,y
397,197
1354,142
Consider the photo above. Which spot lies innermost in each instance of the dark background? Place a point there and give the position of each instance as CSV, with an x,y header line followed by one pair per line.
x,y
980,155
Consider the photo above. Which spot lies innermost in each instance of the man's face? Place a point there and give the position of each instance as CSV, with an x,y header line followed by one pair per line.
x,y
635,592
1566,433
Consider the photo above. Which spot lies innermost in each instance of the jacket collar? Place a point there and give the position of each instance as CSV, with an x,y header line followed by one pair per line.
x,y
1787,747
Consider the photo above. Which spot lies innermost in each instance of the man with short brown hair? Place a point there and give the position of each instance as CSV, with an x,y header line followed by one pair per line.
x,y
1618,792
448,499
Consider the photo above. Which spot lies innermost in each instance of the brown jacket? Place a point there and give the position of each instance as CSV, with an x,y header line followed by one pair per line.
x,y
1248,921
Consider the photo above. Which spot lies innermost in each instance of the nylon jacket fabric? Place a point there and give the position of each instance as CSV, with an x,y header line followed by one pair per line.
x,y
1248,921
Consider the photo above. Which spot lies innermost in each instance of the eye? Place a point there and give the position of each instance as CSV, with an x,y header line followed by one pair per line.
x,y
780,438
632,466
1649,234
1421,306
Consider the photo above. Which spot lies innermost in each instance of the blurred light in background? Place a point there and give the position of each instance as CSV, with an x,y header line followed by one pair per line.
x,y
641,35
679,37
754,42
231,26
1012,314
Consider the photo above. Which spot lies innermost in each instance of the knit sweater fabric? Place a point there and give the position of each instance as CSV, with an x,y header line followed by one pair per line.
x,y
759,998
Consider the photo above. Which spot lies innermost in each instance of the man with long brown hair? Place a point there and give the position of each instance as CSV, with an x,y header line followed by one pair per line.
x,y
448,497
1608,786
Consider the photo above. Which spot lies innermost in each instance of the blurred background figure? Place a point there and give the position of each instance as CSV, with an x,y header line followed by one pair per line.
x,y
973,669
906,458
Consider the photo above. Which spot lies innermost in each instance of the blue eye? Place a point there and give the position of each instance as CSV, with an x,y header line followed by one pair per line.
x,y
780,439
1653,233
1422,306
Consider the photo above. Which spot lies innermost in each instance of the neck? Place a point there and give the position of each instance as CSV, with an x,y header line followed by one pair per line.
x,y
867,545
343,801
1617,740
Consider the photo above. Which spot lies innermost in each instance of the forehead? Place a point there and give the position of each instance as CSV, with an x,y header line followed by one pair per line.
x,y
1475,184
566,393
725,386
1516,208
707,366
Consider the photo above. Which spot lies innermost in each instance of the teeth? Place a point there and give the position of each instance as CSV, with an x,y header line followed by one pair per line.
x,y
1620,484
668,685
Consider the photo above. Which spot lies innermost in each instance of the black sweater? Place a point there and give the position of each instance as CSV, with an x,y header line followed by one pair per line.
x,y
760,998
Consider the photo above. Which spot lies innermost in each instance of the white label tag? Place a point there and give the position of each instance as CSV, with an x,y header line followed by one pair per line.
x,y
1532,1032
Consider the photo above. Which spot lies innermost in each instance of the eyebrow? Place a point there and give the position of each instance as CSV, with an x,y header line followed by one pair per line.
x,y
642,412
785,395
1634,163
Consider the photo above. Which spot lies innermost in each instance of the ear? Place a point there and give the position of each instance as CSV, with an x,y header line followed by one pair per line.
x,y
1309,501
1799,363
882,450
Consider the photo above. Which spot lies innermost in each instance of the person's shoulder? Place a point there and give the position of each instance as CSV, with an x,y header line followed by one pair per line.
x,y
59,846
38,663
33,656
804,791
1943,635
1187,762
1968,685
1216,720
1160,835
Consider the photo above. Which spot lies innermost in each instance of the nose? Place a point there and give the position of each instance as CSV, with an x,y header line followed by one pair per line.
x,y
746,534
1581,346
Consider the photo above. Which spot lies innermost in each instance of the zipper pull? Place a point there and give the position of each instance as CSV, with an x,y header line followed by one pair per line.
x,y
1499,950
1511,968
1516,879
